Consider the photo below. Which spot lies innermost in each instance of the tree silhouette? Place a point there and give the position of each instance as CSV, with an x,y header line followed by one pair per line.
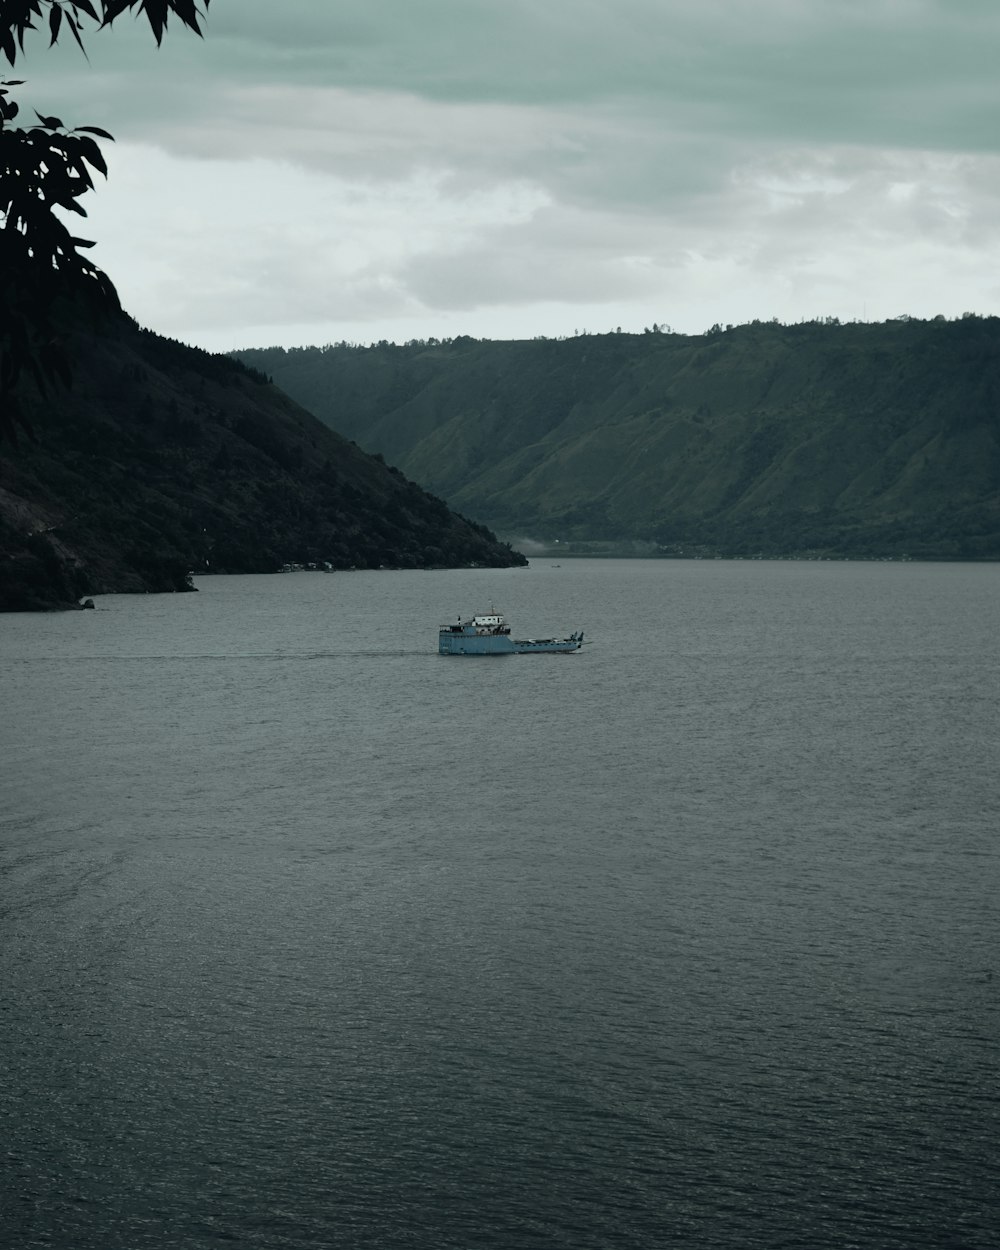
x,y
46,166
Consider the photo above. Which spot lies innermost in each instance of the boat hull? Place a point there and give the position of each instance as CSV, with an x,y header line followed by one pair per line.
x,y
454,643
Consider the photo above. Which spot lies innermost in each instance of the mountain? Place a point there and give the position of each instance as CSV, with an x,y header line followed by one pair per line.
x,y
161,460
813,439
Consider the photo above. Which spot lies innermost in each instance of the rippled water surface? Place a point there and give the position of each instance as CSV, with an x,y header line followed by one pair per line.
x,y
310,937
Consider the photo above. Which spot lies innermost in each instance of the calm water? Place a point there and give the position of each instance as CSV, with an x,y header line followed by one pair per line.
x,y
310,937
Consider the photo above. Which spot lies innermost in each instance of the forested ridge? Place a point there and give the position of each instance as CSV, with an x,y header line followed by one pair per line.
x,y
818,438
163,460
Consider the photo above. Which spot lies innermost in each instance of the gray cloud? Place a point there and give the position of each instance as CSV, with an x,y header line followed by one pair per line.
x,y
895,72
382,160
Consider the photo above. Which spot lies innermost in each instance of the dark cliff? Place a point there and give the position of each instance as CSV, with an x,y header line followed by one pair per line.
x,y
161,460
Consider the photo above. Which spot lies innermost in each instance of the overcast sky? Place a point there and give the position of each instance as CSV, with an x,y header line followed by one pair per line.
x,y
318,170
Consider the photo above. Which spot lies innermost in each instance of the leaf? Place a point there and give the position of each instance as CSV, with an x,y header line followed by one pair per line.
x,y
50,123
113,9
55,21
87,7
65,199
20,33
84,177
187,12
82,242
92,154
94,130
76,35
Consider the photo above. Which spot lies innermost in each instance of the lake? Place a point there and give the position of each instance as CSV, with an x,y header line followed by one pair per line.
x,y
310,937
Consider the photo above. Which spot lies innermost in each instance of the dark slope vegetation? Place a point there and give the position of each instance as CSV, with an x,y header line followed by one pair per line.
x,y
163,459
853,440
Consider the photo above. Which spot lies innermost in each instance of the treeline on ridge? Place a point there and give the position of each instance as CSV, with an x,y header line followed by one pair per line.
x,y
853,439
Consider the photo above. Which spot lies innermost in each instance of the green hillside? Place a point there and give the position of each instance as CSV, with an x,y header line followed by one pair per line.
x,y
161,460
853,440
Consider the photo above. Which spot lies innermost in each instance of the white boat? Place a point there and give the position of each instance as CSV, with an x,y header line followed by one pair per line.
x,y
489,634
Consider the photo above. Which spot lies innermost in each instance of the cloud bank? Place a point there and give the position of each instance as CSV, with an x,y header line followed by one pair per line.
x,y
308,173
